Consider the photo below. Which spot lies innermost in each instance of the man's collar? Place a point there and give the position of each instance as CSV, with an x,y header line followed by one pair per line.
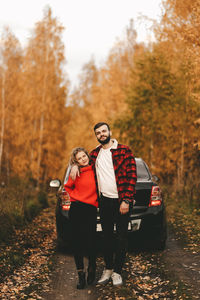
x,y
115,144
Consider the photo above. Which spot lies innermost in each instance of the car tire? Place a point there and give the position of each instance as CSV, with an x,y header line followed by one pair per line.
x,y
136,243
63,246
160,245
160,242
59,244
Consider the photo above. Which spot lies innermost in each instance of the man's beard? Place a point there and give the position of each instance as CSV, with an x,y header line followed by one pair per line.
x,y
106,141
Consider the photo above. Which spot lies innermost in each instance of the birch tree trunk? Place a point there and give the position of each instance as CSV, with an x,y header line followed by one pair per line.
x,y
182,158
42,118
151,154
8,165
2,120
32,141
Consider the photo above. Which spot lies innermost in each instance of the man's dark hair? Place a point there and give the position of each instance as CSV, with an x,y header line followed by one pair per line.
x,y
101,124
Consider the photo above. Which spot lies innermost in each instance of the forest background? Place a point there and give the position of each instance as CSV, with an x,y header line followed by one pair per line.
x,y
148,93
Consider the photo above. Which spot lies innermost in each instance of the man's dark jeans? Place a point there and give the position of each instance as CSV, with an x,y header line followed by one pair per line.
x,y
114,245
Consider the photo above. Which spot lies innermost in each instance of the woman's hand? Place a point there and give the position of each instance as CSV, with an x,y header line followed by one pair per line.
x,y
74,172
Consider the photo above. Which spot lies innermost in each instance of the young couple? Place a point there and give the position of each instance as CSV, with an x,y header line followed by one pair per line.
x,y
105,178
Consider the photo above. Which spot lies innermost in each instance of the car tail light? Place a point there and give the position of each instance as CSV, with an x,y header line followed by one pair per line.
x,y
65,200
156,196
66,206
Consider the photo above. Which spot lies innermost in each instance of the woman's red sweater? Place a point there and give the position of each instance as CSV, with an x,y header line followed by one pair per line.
x,y
83,188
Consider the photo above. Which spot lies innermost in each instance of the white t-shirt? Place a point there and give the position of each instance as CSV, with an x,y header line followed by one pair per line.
x,y
105,174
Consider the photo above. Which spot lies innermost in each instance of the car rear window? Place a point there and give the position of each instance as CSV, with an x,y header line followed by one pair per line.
x,y
67,172
142,172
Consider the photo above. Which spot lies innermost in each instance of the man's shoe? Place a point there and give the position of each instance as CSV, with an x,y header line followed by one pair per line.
x,y
116,279
105,276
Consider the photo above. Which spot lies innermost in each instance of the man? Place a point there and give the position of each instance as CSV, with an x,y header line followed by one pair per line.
x,y
115,170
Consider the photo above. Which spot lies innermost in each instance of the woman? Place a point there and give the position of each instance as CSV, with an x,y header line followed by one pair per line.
x,y
82,214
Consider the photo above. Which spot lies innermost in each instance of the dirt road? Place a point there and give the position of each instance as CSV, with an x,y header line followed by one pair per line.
x,y
46,273
63,281
170,274
184,265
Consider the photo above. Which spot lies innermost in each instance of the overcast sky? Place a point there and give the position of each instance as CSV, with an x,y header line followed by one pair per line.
x,y
91,26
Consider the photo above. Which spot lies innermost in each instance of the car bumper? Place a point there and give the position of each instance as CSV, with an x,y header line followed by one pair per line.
x,y
152,220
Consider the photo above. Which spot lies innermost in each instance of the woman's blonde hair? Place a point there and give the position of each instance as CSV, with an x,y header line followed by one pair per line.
x,y
75,151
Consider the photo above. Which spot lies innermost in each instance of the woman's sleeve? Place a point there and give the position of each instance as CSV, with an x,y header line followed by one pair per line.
x,y
69,185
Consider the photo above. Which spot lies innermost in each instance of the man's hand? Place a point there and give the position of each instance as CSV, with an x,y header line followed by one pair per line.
x,y
124,208
74,172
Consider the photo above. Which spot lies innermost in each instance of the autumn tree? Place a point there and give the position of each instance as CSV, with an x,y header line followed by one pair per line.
x,y
157,116
83,110
179,33
10,74
44,92
114,75
100,94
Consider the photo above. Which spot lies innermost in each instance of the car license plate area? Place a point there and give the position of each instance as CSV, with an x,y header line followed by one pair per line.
x,y
134,225
99,227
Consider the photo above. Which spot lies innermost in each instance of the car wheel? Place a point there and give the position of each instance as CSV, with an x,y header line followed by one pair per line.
x,y
136,243
160,244
59,243
62,245
159,240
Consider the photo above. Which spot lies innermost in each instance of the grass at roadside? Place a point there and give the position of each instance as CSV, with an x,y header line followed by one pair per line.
x,y
20,202
30,250
184,221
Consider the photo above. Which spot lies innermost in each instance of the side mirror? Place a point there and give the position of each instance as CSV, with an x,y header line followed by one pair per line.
x,y
155,178
56,183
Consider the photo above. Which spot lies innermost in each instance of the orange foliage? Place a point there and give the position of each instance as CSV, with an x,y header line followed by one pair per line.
x,y
35,95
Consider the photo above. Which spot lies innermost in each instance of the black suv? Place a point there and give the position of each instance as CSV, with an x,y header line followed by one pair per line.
x,y
147,217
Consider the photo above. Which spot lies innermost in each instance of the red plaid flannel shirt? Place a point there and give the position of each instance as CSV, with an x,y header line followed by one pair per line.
x,y
125,170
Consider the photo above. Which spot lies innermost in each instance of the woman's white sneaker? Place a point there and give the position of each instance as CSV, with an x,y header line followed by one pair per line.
x,y
105,277
116,279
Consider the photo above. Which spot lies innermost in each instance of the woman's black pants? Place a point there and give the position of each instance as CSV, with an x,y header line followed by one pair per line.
x,y
114,244
82,218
